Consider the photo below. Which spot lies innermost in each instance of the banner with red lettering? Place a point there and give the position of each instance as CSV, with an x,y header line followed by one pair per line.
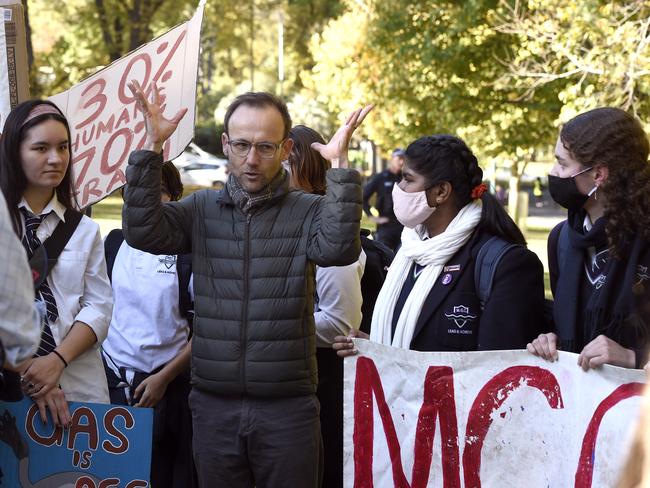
x,y
105,122
106,446
490,419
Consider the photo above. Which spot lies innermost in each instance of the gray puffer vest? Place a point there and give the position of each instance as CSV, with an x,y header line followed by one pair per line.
x,y
253,274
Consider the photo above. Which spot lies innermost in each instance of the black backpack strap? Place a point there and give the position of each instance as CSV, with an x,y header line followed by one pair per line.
x,y
558,242
55,244
485,266
184,270
378,259
112,245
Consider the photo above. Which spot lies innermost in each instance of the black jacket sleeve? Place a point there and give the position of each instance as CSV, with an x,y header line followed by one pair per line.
x,y
335,238
148,224
514,313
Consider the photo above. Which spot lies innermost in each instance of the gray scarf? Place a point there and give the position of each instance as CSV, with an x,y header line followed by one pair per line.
x,y
246,201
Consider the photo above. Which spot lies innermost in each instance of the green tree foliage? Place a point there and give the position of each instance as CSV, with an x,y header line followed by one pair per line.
x,y
73,39
85,35
430,68
593,52
501,73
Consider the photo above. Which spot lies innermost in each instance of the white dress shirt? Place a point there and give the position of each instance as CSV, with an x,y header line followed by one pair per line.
x,y
20,322
339,300
147,330
82,292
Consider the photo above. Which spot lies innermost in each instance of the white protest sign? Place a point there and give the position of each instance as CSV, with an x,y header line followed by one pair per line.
x,y
104,120
491,419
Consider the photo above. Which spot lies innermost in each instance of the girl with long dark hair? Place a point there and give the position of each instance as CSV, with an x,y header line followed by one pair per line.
x,y
36,179
430,300
599,257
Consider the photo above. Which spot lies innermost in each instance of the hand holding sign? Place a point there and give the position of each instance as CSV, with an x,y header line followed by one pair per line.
x,y
336,149
344,346
603,350
159,128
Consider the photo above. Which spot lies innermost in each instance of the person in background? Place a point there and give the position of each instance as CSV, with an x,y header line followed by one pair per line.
x,y
538,192
147,353
337,307
599,258
389,229
36,179
430,293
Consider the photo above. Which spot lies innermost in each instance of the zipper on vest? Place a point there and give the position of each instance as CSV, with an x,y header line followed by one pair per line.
x,y
244,328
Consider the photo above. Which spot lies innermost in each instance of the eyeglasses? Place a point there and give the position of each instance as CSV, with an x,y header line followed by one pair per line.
x,y
265,150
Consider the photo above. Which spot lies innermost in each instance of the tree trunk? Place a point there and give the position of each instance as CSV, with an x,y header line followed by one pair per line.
x,y
35,89
513,196
518,201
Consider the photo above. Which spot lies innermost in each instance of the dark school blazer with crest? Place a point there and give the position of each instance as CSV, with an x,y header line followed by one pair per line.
x,y
451,318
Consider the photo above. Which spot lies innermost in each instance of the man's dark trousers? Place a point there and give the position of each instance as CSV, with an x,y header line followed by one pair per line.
x,y
252,441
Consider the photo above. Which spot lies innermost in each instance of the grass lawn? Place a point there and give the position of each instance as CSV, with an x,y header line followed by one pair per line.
x,y
108,213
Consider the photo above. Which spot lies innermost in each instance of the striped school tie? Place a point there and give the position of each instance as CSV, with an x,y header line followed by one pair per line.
x,y
31,242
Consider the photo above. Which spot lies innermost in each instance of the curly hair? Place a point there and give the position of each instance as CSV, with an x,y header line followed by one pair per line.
x,y
444,157
612,137
308,167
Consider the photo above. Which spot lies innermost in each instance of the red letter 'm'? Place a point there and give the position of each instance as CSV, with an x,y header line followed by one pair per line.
x,y
438,399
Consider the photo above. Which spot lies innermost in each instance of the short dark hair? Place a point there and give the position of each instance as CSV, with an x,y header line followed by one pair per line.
x,y
260,99
171,181
13,181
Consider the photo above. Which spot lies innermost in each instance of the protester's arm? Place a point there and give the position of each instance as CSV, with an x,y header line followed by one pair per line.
x,y
334,235
90,324
152,389
20,321
148,224
339,301
336,150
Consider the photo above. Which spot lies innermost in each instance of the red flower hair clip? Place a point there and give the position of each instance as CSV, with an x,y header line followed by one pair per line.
x,y
478,190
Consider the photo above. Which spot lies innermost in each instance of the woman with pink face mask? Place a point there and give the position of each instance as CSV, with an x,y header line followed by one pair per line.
x,y
430,301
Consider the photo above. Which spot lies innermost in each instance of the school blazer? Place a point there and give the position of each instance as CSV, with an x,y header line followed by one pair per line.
x,y
452,319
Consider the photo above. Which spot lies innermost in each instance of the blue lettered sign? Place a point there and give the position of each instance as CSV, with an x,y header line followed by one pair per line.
x,y
107,446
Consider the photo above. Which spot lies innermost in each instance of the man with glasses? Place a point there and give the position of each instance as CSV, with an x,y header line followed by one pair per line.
x,y
254,246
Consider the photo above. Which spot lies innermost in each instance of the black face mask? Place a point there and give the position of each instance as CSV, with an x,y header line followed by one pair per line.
x,y
565,192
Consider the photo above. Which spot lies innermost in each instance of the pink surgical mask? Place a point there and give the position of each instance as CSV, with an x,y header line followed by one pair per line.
x,y
411,209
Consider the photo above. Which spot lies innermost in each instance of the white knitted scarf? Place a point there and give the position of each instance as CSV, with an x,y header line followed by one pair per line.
x,y
432,253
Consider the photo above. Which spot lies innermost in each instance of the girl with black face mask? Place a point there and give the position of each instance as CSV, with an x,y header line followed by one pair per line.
x,y
599,257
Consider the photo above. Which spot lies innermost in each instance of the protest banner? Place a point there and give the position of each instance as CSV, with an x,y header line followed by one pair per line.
x,y
106,446
484,419
105,122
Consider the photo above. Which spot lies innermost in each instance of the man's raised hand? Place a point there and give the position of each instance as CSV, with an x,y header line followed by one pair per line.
x,y
336,150
159,128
